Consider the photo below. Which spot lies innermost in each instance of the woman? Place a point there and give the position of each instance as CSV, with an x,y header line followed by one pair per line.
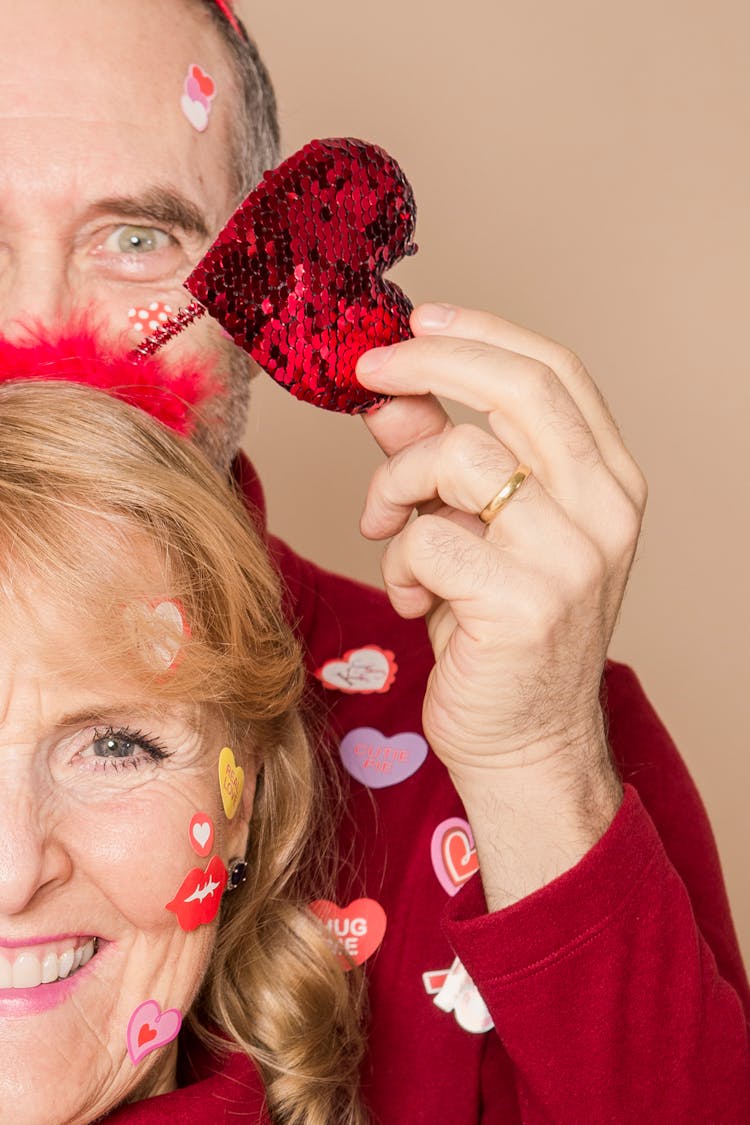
x,y
149,742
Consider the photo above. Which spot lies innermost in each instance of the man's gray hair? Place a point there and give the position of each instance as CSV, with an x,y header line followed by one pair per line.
x,y
256,134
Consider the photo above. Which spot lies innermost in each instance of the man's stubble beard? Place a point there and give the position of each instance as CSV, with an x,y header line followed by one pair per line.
x,y
221,420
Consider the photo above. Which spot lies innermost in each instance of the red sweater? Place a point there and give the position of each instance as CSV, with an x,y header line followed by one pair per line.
x,y
617,992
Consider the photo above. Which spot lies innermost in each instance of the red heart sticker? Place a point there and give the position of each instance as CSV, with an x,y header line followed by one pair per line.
x,y
206,84
454,856
357,929
296,276
146,1034
201,833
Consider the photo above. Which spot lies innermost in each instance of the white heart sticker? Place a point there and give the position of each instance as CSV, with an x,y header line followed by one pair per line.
x,y
364,671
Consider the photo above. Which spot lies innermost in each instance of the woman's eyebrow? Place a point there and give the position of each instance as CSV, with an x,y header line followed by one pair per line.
x,y
162,205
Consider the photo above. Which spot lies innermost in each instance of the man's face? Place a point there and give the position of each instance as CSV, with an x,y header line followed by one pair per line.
x,y
108,194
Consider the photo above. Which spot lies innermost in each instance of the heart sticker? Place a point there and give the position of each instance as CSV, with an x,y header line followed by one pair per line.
x,y
198,93
379,761
231,782
204,82
365,671
201,833
358,929
198,900
455,991
150,1028
296,276
454,856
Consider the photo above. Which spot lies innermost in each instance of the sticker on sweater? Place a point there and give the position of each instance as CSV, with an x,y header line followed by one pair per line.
x,y
369,670
201,833
378,760
198,900
454,856
454,991
149,1028
356,930
198,93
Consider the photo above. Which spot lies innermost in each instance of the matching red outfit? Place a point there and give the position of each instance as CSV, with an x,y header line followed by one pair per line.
x,y
616,994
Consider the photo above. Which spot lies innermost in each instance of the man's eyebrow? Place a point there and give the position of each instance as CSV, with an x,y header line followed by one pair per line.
x,y
165,206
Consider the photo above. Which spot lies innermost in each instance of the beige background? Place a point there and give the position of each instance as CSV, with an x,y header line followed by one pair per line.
x,y
582,168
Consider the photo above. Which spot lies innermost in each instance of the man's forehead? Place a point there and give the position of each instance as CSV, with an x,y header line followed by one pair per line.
x,y
66,57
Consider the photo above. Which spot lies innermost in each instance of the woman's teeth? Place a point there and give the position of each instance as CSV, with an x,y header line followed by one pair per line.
x,y
45,965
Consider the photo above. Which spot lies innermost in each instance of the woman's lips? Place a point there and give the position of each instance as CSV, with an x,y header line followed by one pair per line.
x,y
29,966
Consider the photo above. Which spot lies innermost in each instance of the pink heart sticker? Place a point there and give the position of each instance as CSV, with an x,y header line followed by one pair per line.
x,y
202,834
370,670
453,853
205,82
193,91
150,1028
379,761
357,929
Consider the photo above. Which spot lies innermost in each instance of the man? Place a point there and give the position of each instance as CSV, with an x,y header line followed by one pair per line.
x,y
597,930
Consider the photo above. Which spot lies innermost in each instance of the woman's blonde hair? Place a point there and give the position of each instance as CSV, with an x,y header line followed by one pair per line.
x,y
87,485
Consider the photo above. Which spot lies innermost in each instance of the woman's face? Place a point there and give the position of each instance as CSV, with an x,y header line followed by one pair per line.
x,y
98,787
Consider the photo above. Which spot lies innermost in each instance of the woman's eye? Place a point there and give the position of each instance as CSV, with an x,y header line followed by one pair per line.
x,y
133,239
122,748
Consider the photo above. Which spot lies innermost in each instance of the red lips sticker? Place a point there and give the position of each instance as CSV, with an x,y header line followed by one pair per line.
x,y
198,900
358,929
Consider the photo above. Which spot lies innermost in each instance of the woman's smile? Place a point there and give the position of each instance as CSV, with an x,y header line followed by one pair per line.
x,y
41,973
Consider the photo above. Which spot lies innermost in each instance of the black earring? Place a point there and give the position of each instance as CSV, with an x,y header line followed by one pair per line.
x,y
236,875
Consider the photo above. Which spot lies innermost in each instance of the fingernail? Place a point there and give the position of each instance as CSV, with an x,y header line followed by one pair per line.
x,y
435,316
373,360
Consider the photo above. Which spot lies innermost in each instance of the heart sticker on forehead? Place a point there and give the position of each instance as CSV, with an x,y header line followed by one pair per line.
x,y
296,276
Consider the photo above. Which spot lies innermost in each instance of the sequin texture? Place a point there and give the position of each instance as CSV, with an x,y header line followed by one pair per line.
x,y
296,276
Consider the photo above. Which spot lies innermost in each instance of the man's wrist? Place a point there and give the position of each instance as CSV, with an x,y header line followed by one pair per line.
x,y
532,823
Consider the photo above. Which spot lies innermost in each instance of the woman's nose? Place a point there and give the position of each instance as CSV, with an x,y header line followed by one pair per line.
x,y
32,859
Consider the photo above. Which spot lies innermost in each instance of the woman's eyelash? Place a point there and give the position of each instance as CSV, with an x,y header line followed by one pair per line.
x,y
138,739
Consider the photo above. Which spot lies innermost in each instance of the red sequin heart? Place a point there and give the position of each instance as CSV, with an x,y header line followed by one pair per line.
x,y
296,276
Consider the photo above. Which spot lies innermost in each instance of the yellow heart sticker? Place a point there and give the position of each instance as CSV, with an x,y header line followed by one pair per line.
x,y
231,782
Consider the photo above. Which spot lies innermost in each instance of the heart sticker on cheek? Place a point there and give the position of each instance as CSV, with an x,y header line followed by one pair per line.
x,y
358,928
201,834
150,1028
296,276
231,782
454,856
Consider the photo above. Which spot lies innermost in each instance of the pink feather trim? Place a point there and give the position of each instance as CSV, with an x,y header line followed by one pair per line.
x,y
77,354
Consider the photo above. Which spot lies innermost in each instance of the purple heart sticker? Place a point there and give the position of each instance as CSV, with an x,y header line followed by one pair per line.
x,y
379,760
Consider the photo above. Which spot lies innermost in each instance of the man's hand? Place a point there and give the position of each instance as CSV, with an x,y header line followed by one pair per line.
x,y
520,612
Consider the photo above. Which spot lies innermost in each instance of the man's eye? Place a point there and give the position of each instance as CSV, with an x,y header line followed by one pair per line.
x,y
137,240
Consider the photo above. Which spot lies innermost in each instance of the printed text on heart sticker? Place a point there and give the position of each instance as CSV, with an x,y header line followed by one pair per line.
x,y
356,929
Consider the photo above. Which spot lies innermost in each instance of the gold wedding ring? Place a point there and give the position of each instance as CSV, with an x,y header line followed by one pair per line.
x,y
505,495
